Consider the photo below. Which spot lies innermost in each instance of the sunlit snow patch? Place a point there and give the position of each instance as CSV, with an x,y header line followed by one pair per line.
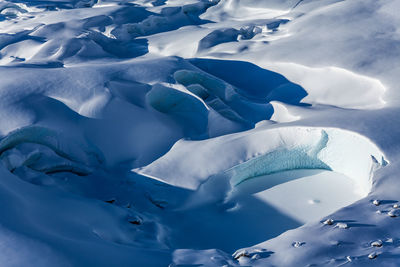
x,y
303,195
334,86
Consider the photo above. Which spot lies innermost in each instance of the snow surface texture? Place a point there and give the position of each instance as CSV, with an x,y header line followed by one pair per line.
x,y
199,133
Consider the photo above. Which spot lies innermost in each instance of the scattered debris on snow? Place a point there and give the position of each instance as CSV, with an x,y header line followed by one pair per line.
x,y
394,213
242,253
328,222
298,244
372,255
377,243
376,202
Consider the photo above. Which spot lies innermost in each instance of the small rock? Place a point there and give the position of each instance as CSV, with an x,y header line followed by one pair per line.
x,y
297,244
396,206
243,253
376,202
377,244
389,240
342,225
135,222
372,255
328,222
111,201
394,213
335,243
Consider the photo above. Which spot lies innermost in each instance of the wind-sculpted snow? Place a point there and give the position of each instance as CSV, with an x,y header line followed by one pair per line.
x,y
111,35
32,150
262,152
223,98
252,81
172,101
336,86
218,37
47,158
41,159
53,140
156,133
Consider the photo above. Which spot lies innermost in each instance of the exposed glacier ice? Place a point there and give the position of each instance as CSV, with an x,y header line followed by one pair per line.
x,y
247,118
182,105
261,152
55,141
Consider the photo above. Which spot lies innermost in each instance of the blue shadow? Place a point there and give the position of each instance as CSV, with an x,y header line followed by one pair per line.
x,y
252,81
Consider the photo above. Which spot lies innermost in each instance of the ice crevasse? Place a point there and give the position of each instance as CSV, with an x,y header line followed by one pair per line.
x,y
238,157
45,150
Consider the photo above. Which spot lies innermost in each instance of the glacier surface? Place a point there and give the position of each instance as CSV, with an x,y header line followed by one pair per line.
x,y
199,133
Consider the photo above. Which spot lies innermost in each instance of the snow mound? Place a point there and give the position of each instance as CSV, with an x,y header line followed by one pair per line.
x,y
335,86
32,151
238,157
223,97
177,103
60,144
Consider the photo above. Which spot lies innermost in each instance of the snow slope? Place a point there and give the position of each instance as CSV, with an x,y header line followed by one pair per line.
x,y
199,133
